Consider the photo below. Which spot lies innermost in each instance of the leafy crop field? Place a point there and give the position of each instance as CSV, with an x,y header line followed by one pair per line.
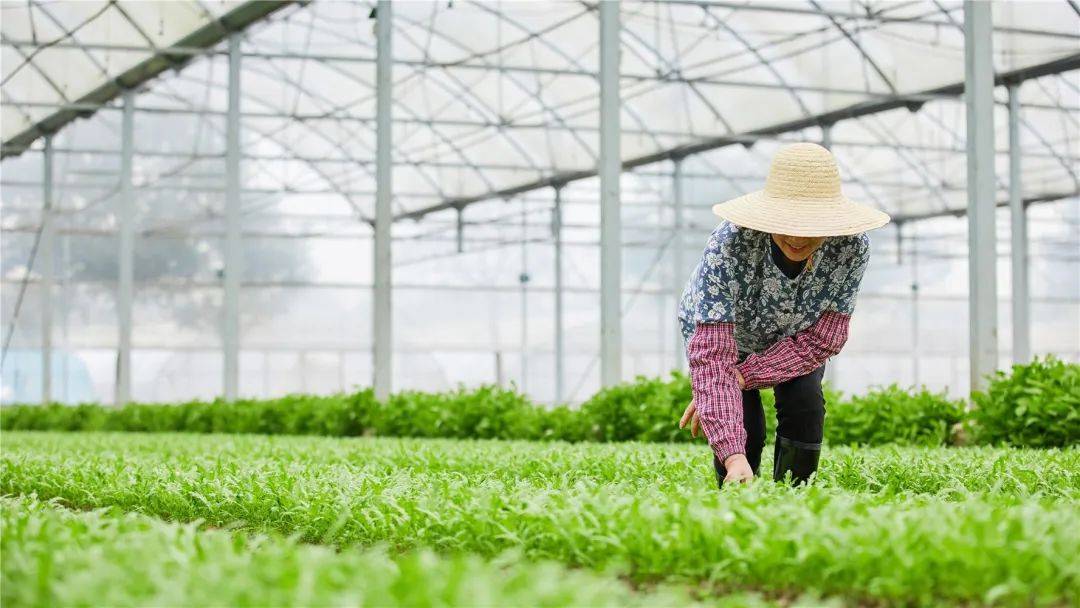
x,y
1035,405
892,525
118,559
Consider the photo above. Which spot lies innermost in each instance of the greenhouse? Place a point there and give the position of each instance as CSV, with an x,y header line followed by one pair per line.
x,y
121,123
442,225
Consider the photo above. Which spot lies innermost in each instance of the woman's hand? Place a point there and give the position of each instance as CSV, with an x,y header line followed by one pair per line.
x,y
691,416
738,469
739,378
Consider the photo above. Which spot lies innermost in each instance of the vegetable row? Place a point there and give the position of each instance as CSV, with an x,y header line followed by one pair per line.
x,y
57,557
893,546
1036,405
888,471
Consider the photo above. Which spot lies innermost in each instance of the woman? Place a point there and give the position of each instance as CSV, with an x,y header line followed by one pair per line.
x,y
767,305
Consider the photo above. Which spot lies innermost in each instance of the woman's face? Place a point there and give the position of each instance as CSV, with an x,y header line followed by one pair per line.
x,y
797,248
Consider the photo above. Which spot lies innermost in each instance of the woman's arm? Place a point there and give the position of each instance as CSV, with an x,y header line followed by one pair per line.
x,y
810,348
797,355
712,354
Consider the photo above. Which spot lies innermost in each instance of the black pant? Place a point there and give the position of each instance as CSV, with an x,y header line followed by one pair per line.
x,y
800,416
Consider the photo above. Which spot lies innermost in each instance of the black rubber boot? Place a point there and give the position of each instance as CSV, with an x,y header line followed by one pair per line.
x,y
795,457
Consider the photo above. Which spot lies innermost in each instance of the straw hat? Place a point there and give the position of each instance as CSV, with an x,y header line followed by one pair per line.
x,y
801,198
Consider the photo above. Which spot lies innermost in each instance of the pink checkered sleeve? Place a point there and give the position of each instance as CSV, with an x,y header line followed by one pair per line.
x,y
797,355
712,354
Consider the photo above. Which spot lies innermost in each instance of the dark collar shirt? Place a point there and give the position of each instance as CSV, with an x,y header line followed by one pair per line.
x,y
790,268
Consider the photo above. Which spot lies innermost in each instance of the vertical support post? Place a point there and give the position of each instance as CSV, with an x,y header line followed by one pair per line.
x,y
678,270
556,232
899,243
460,229
914,252
126,261
233,256
826,136
65,320
610,222
523,280
382,351
982,258
1021,302
48,240
498,369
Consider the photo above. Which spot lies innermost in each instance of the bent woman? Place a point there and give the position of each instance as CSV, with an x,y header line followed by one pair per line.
x,y
767,305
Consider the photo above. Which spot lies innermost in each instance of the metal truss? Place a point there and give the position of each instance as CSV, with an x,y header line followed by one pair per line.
x,y
495,102
337,121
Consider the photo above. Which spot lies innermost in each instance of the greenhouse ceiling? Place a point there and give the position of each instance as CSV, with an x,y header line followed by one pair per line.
x,y
494,99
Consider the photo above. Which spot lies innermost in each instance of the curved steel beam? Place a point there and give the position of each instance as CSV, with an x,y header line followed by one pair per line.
x,y
205,36
1063,64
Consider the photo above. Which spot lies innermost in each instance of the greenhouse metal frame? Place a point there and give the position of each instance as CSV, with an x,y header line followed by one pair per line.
x,y
592,130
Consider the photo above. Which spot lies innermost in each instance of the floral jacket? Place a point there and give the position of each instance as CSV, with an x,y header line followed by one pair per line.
x,y
739,311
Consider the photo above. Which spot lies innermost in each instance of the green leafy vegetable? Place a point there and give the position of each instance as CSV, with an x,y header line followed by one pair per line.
x,y
1037,405
54,557
913,526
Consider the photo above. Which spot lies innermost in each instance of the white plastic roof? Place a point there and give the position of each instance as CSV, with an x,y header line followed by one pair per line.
x,y
34,72
497,97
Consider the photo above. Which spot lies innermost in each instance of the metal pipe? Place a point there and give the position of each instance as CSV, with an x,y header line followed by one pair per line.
x,y
982,273
460,231
610,167
876,16
126,255
673,77
914,252
48,240
1021,320
643,240
163,286
556,231
826,136
207,34
382,348
517,166
233,254
523,281
913,98
65,319
678,270
856,110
